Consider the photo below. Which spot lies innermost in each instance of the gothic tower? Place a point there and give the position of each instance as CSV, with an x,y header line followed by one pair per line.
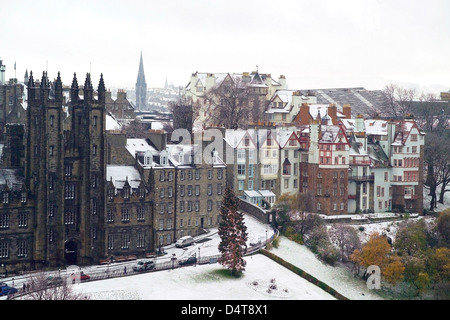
x,y
141,88
65,169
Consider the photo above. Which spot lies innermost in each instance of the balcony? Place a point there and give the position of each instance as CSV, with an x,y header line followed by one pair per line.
x,y
359,162
361,178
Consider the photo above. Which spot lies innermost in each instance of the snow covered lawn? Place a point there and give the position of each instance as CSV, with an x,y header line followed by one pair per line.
x,y
263,279
338,278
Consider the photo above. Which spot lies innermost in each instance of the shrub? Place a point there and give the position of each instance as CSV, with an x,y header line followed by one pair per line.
x,y
361,228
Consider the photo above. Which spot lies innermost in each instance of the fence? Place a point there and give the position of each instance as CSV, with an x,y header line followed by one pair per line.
x,y
122,270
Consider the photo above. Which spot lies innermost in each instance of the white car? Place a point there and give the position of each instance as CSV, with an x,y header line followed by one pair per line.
x,y
143,265
184,242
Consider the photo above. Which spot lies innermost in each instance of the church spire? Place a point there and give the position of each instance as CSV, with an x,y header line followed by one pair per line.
x,y
141,87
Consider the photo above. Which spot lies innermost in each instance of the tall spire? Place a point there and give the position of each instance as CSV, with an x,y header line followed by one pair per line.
x,y
101,90
88,89
141,75
141,87
58,88
74,89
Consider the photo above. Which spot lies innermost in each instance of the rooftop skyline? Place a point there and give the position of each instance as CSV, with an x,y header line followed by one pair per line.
x,y
315,44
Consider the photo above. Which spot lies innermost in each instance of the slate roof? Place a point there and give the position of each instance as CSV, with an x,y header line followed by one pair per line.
x,y
361,100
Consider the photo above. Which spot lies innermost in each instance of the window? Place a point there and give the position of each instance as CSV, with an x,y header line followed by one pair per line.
x,y
209,174
109,215
209,205
69,217
140,214
94,150
181,191
189,190
197,174
5,197
125,241
169,192
126,193
23,197
241,184
68,170
219,174
209,189
69,191
161,193
250,170
125,214
161,208
197,205
414,137
170,175
51,151
241,154
4,249
241,169
140,239
52,119
182,175
94,207
219,188
181,206
197,190
110,242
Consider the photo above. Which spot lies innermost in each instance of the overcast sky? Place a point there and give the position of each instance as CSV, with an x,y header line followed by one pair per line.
x,y
314,43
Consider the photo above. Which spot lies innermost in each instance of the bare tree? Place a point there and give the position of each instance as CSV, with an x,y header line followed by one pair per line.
x,y
183,114
346,238
399,101
56,288
437,161
228,104
135,129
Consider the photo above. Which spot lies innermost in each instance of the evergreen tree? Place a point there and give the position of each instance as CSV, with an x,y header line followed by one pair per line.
x,y
233,235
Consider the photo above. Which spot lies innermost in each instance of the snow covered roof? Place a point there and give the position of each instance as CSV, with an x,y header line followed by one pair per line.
x,y
111,122
376,127
118,175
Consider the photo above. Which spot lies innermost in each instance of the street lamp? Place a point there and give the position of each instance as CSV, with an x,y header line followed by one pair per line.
x,y
266,237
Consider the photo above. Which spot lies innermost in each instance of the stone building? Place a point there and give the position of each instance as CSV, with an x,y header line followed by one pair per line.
x,y
65,169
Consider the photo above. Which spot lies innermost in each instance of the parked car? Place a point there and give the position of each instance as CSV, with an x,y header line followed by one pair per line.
x,y
54,281
184,242
143,265
188,261
6,290
84,277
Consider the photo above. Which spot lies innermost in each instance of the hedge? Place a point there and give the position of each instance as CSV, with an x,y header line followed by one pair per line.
x,y
304,275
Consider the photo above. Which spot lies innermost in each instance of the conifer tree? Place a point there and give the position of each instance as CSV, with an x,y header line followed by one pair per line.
x,y
233,234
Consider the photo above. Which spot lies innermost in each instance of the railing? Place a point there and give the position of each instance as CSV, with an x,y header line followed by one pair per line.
x,y
115,271
360,162
362,178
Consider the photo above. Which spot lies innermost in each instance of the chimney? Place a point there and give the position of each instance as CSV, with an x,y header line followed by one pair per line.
x,y
304,114
158,139
332,113
347,111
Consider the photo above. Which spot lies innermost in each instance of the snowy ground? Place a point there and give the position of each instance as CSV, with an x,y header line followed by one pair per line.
x,y
263,278
338,278
205,282
439,207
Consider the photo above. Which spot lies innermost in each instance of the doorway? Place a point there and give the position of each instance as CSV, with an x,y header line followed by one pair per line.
x,y
70,253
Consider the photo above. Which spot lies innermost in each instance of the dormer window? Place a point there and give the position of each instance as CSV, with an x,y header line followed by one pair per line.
x,y
126,193
111,193
5,197
141,192
148,158
164,158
